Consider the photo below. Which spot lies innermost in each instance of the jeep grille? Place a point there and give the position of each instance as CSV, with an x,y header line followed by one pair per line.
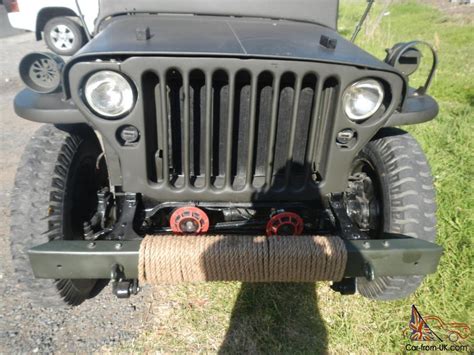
x,y
236,127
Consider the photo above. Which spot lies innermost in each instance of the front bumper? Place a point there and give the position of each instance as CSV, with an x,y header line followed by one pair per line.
x,y
60,259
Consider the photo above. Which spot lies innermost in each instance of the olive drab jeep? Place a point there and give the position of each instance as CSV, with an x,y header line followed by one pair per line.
x,y
216,140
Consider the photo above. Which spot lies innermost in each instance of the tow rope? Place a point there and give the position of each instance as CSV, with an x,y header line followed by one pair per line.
x,y
176,259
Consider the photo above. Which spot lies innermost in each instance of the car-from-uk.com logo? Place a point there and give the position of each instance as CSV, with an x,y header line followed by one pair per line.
x,y
431,333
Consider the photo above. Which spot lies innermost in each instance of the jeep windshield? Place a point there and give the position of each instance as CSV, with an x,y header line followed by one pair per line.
x,y
323,12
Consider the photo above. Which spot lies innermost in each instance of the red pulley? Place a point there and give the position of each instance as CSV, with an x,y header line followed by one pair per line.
x,y
285,223
189,219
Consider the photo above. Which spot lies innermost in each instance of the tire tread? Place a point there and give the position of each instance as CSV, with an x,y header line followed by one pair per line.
x,y
412,204
36,210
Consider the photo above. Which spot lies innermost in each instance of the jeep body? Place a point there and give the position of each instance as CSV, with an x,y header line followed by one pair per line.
x,y
239,119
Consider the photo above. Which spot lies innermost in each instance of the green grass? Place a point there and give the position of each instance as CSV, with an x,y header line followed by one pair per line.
x,y
231,317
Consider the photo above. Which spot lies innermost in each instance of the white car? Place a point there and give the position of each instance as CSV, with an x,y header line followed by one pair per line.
x,y
59,22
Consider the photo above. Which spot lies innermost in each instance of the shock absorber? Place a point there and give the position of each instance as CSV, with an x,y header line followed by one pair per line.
x,y
285,223
189,220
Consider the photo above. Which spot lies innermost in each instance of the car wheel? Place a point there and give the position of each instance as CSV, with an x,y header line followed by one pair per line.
x,y
397,197
64,36
55,192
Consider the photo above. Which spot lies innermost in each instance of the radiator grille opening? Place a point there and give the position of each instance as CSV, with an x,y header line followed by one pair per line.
x,y
236,129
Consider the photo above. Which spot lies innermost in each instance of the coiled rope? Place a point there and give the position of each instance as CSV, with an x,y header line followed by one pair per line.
x,y
176,259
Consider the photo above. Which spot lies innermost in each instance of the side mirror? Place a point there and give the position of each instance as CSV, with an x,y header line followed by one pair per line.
x,y
406,57
406,60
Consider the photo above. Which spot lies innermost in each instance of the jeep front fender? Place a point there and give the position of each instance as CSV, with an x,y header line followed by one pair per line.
x,y
46,108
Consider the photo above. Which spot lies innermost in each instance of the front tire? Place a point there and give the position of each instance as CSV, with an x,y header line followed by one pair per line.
x,y
64,36
407,198
55,193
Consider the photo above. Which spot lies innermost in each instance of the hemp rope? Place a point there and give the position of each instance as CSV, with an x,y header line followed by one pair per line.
x,y
176,259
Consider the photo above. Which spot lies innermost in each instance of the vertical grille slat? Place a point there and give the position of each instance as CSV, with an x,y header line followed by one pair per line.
x,y
174,119
273,129
251,134
262,127
159,136
219,128
240,135
292,133
327,106
208,131
236,128
285,114
314,125
230,132
305,111
186,130
163,100
149,83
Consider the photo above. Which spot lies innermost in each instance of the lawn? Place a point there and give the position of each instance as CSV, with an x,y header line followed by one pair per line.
x,y
231,317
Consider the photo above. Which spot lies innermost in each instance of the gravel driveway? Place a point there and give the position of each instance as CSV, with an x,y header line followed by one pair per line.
x,y
104,321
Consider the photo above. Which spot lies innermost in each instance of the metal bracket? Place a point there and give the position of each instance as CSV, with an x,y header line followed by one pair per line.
x,y
346,228
123,228
104,204
120,287
99,220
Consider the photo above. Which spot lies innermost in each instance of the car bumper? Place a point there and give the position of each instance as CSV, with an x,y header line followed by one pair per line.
x,y
20,21
60,259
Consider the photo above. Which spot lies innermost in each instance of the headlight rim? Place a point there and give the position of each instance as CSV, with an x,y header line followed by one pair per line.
x,y
100,113
382,95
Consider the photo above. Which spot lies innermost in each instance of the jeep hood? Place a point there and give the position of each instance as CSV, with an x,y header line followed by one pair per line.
x,y
180,35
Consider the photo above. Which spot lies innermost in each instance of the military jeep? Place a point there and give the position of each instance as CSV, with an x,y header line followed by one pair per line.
x,y
218,140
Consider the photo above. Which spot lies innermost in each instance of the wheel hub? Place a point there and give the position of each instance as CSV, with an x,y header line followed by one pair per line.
x,y
361,203
62,37
44,72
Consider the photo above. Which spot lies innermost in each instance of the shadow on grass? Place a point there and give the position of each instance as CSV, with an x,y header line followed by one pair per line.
x,y
275,318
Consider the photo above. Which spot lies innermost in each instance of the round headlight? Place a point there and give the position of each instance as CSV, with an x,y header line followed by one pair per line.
x,y
109,94
362,99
